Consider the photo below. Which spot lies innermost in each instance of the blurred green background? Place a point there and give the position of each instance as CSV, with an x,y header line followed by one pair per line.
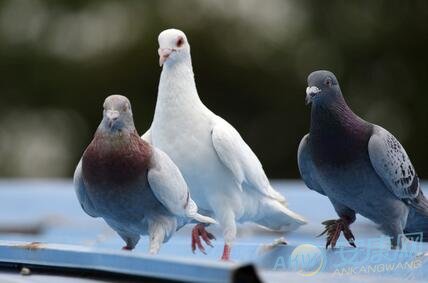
x,y
59,60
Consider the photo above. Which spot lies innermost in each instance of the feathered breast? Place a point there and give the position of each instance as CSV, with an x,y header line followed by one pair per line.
x,y
115,159
338,136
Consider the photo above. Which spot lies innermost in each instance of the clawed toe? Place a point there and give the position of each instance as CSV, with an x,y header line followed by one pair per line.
x,y
349,236
199,232
333,228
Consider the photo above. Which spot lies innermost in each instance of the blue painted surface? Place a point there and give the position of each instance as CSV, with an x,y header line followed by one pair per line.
x,y
69,256
54,205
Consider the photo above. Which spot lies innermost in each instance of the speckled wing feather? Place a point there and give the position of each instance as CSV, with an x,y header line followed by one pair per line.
x,y
392,164
79,187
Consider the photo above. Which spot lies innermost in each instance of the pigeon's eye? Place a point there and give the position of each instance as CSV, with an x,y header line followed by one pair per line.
x,y
180,41
328,82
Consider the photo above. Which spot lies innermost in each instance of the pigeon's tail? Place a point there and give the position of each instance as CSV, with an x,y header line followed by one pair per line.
x,y
420,204
192,212
417,225
276,196
204,219
275,216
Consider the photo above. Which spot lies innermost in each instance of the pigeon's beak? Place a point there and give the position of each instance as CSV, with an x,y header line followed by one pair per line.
x,y
163,55
310,93
112,116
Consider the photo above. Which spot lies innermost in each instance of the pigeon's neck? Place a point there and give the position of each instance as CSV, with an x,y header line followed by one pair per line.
x,y
337,133
115,141
177,88
334,118
118,158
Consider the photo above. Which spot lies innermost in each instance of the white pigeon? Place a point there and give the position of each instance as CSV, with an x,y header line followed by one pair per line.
x,y
225,177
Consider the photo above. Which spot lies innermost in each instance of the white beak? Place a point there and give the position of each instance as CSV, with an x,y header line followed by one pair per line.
x,y
163,55
311,92
112,114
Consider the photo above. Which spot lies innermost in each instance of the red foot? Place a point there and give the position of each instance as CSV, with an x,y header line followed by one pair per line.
x,y
126,248
226,253
199,232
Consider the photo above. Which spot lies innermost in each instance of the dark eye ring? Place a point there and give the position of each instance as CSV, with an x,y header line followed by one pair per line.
x,y
328,82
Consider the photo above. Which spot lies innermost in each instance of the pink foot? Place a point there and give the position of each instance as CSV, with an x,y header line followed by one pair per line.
x,y
226,253
199,232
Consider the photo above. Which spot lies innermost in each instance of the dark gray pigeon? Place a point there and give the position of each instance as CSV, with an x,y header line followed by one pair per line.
x,y
133,186
359,166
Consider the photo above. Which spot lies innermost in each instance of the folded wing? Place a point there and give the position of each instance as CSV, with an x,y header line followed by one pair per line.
x,y
236,155
391,163
170,188
80,189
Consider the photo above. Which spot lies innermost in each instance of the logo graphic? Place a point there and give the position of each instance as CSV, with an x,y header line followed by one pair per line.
x,y
307,260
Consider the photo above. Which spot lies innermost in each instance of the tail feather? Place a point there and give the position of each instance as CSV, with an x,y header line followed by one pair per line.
x,y
420,203
297,218
277,196
277,217
204,219
417,223
192,212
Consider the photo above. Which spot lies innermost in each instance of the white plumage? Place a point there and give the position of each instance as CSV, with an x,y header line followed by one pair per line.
x,y
225,177
170,189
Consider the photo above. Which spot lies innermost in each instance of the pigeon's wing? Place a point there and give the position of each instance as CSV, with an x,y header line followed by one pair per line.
x,y
79,187
236,155
391,163
147,137
170,188
167,183
306,166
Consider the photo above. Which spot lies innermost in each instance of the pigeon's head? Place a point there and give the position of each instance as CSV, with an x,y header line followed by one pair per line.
x,y
322,87
173,47
117,114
